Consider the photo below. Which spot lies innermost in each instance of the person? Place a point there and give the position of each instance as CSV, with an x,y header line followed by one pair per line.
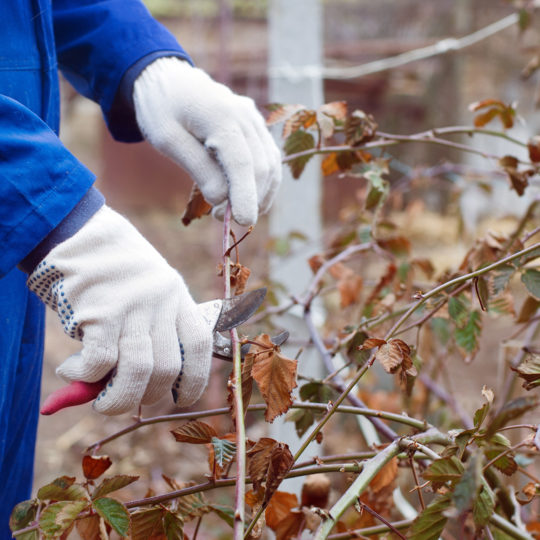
x,y
62,246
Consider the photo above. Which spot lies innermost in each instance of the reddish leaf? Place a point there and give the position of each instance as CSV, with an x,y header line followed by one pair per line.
x,y
301,119
335,109
493,108
275,376
197,206
279,508
92,528
398,245
534,149
194,432
393,355
519,180
94,466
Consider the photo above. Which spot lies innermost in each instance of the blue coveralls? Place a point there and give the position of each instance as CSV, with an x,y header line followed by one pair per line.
x,y
100,46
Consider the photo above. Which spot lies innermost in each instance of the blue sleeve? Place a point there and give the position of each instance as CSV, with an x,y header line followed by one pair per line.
x,y
40,182
102,45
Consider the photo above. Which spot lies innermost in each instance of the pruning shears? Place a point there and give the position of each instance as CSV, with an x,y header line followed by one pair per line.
x,y
220,314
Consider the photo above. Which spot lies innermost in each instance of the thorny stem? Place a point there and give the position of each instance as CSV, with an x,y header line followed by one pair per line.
x,y
240,492
458,281
417,424
390,139
370,469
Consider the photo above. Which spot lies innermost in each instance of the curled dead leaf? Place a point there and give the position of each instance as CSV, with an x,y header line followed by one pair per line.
x,y
275,376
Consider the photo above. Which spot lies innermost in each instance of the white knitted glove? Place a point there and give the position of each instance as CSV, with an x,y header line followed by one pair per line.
x,y
219,137
133,312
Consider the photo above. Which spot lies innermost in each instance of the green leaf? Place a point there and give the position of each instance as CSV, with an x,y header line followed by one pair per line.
x,y
529,371
511,410
303,419
226,513
114,513
462,440
480,415
444,470
23,514
108,485
173,526
469,485
431,521
484,505
441,329
506,463
458,309
379,187
531,280
316,392
62,489
147,523
298,141
500,278
58,517
467,337
224,451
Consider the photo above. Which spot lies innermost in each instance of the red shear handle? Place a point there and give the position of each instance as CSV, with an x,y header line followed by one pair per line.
x,y
75,393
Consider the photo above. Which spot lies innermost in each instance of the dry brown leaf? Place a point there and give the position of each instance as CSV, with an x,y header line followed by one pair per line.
x,y
239,277
275,376
534,149
281,461
279,508
316,490
316,262
371,343
393,354
335,109
94,466
385,476
279,112
92,528
291,526
259,459
254,499
197,206
194,432
268,463
301,119
529,491
349,284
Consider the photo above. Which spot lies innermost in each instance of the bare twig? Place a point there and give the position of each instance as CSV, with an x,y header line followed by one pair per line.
x,y
378,516
417,487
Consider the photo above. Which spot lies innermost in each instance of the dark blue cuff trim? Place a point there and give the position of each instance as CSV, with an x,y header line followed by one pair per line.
x,y
83,211
122,121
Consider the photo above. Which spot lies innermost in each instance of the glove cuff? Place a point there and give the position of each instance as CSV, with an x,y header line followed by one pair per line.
x,y
73,222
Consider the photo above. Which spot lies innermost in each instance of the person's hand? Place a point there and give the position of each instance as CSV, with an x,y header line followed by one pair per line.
x,y
219,137
133,313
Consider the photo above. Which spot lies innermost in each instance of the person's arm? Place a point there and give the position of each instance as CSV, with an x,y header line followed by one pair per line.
x,y
41,182
102,46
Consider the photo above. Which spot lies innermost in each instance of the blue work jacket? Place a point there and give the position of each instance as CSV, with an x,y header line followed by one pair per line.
x,y
100,46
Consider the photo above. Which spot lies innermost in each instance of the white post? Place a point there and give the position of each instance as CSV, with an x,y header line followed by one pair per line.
x,y
295,40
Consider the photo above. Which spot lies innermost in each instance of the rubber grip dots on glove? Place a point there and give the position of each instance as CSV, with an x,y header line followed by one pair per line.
x,y
176,384
48,283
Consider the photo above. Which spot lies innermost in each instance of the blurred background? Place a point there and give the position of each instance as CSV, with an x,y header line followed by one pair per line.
x,y
230,40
